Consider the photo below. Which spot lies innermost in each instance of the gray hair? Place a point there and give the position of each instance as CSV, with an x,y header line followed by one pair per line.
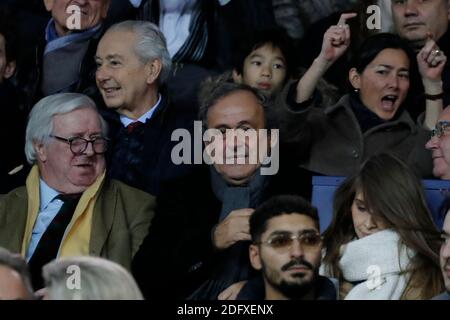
x,y
150,44
215,88
18,264
99,279
40,120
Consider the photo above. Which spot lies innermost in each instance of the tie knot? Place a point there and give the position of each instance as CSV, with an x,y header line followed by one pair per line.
x,y
68,197
132,126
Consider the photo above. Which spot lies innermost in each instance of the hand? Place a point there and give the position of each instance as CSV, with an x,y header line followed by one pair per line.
x,y
232,291
233,228
431,62
336,40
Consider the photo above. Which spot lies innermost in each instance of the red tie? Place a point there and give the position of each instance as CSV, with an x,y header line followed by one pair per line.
x,y
132,126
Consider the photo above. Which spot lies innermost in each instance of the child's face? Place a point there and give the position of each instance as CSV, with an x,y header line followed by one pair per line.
x,y
264,69
6,68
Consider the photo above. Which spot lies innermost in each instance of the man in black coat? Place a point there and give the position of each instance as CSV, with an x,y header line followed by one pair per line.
x,y
132,65
200,236
12,129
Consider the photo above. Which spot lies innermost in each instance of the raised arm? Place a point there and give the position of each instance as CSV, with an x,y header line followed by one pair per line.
x,y
335,42
431,62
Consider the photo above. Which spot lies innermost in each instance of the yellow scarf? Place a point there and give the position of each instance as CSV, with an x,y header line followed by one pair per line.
x,y
78,233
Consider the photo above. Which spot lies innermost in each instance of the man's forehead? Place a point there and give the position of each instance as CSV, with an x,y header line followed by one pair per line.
x,y
445,115
292,222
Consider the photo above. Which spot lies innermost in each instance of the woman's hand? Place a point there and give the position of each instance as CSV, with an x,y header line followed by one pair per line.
x,y
431,62
336,40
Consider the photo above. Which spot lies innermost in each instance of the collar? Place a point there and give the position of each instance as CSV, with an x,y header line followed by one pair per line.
x,y
54,41
401,118
146,116
46,194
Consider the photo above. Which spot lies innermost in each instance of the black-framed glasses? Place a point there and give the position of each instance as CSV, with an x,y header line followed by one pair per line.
x,y
284,240
78,145
440,129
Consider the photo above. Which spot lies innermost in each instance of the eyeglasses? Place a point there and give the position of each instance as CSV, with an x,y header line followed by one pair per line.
x,y
308,240
78,144
440,129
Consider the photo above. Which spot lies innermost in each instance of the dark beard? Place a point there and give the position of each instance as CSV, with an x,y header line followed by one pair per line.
x,y
295,291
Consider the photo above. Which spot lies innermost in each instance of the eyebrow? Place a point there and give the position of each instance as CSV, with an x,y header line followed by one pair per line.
x,y
258,55
109,57
283,232
391,67
240,123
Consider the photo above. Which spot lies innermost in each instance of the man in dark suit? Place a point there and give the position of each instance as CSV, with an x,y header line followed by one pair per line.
x,y
201,232
67,207
132,65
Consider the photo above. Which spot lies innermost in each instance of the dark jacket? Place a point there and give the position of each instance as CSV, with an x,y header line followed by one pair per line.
x,y
178,249
254,289
12,133
31,72
338,146
142,159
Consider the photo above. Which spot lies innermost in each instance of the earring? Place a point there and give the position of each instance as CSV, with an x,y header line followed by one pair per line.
x,y
356,90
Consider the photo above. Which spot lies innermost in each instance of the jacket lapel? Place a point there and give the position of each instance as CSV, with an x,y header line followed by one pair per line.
x,y
103,217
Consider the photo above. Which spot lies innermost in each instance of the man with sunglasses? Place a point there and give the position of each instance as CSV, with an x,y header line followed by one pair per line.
x,y
286,248
439,145
68,207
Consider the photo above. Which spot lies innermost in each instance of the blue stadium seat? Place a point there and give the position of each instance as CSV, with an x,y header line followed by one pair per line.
x,y
325,186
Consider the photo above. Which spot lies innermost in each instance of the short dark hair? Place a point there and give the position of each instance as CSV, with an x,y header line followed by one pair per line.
x,y
277,206
213,89
276,37
9,32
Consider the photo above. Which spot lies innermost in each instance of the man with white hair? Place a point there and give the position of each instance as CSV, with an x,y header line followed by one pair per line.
x,y
133,64
67,207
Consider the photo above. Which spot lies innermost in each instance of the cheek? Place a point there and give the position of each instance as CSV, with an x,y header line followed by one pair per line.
x,y
445,147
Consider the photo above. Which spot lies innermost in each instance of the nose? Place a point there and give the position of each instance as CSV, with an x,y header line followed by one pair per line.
x,y
433,143
101,74
393,81
266,71
89,149
411,8
370,223
296,249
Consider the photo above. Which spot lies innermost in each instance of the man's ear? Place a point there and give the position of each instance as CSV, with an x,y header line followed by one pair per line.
x,y
41,151
237,78
49,4
153,70
9,69
105,8
255,258
354,78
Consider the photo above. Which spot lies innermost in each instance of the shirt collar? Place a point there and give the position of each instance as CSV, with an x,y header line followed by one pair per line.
x,y
46,194
126,121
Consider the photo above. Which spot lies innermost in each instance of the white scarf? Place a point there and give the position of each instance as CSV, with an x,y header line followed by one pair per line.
x,y
378,261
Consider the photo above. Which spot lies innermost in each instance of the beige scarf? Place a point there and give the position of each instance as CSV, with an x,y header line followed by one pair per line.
x,y
78,233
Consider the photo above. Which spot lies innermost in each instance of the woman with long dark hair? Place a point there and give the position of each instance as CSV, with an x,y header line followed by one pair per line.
x,y
373,116
382,243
